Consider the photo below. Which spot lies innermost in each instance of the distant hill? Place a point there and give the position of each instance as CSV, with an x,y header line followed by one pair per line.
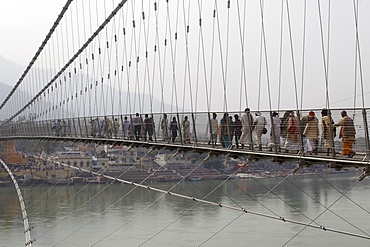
x,y
4,91
10,73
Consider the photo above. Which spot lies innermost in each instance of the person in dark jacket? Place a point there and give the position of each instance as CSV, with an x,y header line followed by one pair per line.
x,y
237,129
173,129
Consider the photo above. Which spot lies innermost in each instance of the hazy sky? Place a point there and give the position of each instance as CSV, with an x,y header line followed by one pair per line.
x,y
24,25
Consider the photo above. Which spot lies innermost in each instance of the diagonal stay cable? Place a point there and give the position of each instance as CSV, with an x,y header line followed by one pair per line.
x,y
164,192
38,186
243,74
95,173
136,185
297,209
364,209
232,207
322,227
74,57
255,203
301,223
74,195
204,198
279,197
98,193
315,200
51,31
342,218
188,210
29,187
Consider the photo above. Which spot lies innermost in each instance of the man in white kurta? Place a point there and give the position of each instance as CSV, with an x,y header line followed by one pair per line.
x,y
247,121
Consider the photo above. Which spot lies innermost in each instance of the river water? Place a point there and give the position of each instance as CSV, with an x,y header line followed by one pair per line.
x,y
116,215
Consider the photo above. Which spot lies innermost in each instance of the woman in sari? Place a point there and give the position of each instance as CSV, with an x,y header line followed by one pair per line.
x,y
291,142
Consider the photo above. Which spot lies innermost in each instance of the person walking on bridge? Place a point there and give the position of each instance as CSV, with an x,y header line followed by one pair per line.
x,y
259,125
174,128
311,132
115,128
53,128
291,141
164,127
275,132
247,122
347,133
126,128
213,128
148,127
63,127
58,127
108,127
224,130
325,126
186,130
284,126
137,126
231,131
101,127
237,130
93,127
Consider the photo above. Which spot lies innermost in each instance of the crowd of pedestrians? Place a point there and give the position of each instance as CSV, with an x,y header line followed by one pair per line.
x,y
289,133
59,127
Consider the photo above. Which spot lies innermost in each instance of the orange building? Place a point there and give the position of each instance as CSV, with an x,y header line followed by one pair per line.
x,y
10,156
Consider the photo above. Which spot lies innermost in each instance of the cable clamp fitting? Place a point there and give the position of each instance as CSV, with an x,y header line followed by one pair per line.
x,y
365,174
208,156
296,168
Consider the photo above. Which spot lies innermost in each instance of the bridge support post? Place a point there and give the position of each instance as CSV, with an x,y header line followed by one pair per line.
x,y
273,132
74,127
45,128
300,133
211,141
34,129
22,129
122,125
331,134
39,125
251,146
16,128
30,129
25,128
194,128
79,125
86,129
154,132
366,128
179,123
131,132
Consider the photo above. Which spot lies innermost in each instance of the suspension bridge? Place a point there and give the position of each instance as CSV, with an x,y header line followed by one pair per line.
x,y
178,75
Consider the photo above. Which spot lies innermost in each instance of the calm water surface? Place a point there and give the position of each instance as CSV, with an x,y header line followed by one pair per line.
x,y
101,215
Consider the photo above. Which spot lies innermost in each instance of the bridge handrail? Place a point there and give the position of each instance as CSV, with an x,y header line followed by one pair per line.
x,y
88,127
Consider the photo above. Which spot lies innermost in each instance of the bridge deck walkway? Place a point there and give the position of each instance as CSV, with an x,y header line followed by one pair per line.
x,y
333,160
